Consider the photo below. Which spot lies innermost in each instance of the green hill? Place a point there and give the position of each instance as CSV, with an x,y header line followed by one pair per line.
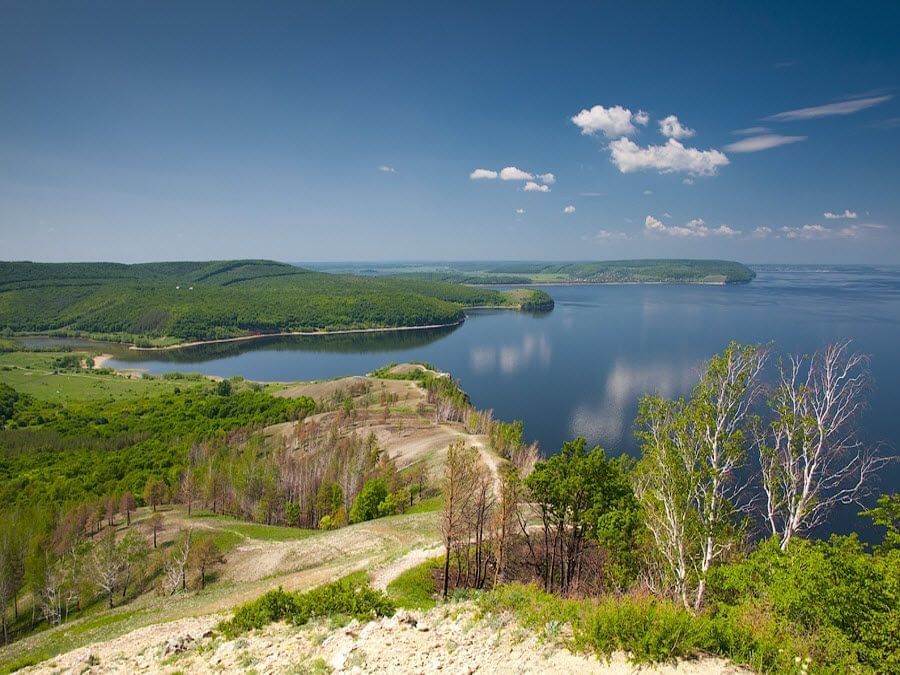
x,y
607,271
179,301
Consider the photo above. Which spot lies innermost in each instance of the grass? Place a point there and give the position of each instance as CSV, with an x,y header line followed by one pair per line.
x,y
414,588
34,373
429,505
258,531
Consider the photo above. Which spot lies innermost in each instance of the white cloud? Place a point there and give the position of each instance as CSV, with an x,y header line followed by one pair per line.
x,y
751,131
514,173
696,228
757,143
569,209
837,216
829,109
687,181
547,178
520,211
648,192
592,194
606,235
816,231
612,122
531,186
387,169
479,174
628,156
761,232
671,127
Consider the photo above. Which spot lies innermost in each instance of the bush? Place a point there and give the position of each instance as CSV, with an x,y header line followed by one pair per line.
x,y
839,598
351,596
650,630
367,502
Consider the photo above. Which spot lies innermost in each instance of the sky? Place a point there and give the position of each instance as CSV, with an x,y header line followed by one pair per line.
x,y
764,132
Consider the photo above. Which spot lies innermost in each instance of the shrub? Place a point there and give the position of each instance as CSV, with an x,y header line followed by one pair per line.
x,y
350,596
365,506
649,629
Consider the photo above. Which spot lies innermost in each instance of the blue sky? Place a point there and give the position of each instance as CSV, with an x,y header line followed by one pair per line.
x,y
351,131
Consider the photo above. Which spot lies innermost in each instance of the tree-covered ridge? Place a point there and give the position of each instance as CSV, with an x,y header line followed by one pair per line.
x,y
211,300
610,271
636,270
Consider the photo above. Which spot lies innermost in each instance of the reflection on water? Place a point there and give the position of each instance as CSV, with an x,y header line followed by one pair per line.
x,y
510,358
610,417
382,341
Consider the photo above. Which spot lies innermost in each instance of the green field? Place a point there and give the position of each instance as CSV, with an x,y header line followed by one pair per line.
x,y
35,374
166,303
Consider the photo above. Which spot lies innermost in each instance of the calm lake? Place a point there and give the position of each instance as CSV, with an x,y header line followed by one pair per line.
x,y
580,369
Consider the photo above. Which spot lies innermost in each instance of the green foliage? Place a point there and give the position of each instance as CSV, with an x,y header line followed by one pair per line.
x,y
887,515
202,301
350,596
55,454
367,504
507,436
581,495
415,588
650,630
842,598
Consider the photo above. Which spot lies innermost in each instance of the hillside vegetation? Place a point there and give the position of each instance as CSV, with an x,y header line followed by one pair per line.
x,y
609,271
181,301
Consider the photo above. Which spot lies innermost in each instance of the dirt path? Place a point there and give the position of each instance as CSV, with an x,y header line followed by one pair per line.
x,y
385,575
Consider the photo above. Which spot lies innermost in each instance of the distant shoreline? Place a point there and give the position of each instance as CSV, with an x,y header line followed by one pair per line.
x,y
320,333
609,283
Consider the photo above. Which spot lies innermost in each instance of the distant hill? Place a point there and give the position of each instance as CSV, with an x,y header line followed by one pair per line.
x,y
181,301
612,271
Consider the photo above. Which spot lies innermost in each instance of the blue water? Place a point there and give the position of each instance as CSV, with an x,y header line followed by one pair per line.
x,y
580,369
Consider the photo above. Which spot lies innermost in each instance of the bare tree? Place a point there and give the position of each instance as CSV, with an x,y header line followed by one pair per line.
x,y
127,506
107,565
176,566
190,487
458,489
506,516
156,525
810,456
204,555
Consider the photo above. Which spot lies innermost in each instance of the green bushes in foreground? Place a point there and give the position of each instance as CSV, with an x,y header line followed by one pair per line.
x,y
648,629
350,597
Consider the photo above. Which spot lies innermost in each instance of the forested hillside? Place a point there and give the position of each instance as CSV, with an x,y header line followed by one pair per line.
x,y
609,271
207,300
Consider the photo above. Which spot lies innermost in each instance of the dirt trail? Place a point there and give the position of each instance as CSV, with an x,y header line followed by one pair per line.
x,y
385,575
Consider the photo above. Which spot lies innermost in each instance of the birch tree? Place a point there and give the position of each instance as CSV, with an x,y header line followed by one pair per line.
x,y
810,456
687,480
107,565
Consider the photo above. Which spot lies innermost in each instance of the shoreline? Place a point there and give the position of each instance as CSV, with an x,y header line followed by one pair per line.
x,y
320,333
101,359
